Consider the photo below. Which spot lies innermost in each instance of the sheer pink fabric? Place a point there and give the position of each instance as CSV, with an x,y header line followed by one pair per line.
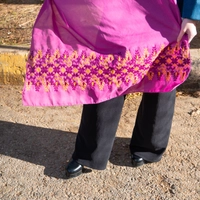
x,y
89,51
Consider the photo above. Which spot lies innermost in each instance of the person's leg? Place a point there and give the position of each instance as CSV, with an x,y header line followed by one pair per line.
x,y
96,133
153,124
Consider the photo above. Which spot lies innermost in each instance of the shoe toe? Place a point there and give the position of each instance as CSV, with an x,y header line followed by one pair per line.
x,y
137,160
73,169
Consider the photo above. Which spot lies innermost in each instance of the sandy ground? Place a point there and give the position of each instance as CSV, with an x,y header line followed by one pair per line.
x,y
36,143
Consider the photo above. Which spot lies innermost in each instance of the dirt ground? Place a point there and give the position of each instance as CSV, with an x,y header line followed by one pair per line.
x,y
17,18
16,22
36,143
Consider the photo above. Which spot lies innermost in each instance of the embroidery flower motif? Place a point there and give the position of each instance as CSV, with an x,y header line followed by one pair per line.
x,y
47,69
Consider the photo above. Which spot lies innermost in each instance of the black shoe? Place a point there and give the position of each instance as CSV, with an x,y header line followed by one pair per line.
x,y
137,161
73,169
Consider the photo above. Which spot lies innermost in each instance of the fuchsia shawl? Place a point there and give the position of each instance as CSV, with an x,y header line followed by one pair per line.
x,y
89,51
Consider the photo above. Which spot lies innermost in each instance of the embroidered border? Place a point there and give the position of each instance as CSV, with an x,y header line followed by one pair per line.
x,y
46,69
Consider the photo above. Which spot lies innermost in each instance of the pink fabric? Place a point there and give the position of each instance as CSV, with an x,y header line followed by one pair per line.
x,y
90,51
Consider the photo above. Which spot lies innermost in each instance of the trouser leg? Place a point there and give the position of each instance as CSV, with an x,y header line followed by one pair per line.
x,y
153,124
96,133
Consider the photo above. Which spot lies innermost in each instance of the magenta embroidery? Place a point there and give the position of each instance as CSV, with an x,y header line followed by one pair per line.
x,y
70,70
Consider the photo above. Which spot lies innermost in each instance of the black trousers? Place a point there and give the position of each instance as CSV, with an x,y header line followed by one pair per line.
x,y
99,123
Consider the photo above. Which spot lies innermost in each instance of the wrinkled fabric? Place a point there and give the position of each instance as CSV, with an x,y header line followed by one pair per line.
x,y
90,51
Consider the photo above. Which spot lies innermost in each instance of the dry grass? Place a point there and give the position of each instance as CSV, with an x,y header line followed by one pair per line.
x,y
17,18
16,22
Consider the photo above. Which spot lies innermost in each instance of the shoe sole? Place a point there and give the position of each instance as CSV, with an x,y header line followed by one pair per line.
x,y
69,175
138,164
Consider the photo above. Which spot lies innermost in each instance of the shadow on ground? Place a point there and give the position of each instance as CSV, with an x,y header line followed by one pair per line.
x,y
192,85
49,148
195,44
41,146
